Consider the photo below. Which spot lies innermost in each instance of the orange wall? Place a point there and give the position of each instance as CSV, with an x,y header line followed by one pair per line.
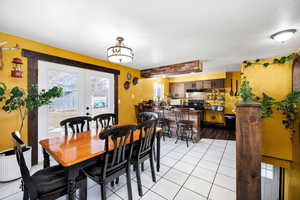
x,y
128,98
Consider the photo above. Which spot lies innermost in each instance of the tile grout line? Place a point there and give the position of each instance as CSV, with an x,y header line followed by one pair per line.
x,y
217,170
190,174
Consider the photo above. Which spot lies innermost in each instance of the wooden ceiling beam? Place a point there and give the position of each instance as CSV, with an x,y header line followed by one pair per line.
x,y
174,69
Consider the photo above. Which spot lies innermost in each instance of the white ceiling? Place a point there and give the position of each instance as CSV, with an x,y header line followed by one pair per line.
x,y
161,32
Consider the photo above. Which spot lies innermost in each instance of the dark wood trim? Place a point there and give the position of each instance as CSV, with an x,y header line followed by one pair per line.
x,y
32,78
296,74
116,91
180,68
281,183
65,61
33,115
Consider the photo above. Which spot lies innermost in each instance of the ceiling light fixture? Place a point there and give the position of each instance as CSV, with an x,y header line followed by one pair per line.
x,y
283,36
120,53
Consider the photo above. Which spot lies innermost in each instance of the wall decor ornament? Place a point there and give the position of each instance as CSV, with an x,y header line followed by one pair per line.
x,y
16,71
135,80
127,85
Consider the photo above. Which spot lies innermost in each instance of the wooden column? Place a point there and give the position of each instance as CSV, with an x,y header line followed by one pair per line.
x,y
248,151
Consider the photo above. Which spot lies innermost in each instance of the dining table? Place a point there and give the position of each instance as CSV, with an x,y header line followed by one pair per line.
x,y
75,151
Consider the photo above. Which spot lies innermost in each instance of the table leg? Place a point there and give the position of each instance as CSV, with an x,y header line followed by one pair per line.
x,y
158,152
72,173
46,159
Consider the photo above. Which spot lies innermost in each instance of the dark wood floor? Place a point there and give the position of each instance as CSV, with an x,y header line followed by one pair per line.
x,y
217,133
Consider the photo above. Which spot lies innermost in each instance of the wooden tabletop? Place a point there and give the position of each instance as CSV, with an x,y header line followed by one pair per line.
x,y
75,148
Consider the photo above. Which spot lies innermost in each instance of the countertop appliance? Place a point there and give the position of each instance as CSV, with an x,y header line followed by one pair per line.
x,y
175,102
197,104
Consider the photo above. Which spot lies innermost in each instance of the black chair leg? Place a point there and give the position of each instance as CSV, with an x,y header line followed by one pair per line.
x,y
143,166
139,181
154,153
117,180
103,192
112,183
128,180
152,168
177,136
25,195
187,140
83,189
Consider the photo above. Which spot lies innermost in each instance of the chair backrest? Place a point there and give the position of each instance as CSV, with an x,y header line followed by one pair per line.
x,y
147,131
105,120
182,114
145,116
76,124
118,148
19,147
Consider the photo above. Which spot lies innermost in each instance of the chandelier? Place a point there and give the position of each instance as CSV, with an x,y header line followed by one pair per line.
x,y
120,53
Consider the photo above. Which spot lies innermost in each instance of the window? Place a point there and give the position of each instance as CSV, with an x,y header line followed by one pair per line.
x,y
158,92
267,170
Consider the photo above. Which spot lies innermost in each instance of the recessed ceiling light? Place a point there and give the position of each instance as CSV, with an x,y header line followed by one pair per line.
x,y
284,35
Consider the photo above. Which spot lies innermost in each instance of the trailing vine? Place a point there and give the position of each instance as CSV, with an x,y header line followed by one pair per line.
x,y
289,107
280,60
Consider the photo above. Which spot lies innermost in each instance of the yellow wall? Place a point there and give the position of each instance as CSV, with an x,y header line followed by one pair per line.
x,y
196,77
292,174
275,81
128,98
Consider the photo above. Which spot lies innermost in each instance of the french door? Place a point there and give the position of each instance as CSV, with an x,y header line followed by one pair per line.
x,y
85,92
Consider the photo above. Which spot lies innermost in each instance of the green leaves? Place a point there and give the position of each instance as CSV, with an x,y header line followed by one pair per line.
x,y
280,60
3,89
289,107
18,100
246,91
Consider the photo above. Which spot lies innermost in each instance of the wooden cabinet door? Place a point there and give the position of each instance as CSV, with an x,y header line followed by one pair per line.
x,y
207,84
199,84
177,89
188,85
218,83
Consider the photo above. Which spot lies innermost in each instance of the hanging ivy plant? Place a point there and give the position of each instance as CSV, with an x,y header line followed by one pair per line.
x,y
289,107
267,103
280,60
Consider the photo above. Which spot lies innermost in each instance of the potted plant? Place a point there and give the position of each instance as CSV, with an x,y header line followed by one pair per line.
x,y
22,102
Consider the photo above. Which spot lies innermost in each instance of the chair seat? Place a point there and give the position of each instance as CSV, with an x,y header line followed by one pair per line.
x,y
50,179
95,171
185,122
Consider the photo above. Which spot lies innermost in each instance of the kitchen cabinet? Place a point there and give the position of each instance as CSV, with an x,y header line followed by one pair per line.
x,y
177,89
199,84
207,84
218,83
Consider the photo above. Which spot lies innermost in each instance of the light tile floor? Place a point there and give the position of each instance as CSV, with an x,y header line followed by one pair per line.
x,y
205,170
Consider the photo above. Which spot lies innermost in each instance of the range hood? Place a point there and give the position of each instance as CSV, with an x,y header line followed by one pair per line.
x,y
195,90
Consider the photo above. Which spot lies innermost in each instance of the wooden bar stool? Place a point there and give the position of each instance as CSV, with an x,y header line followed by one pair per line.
x,y
184,126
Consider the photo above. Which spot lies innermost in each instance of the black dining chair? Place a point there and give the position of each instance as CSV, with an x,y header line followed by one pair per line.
x,y
46,184
105,120
144,150
144,116
184,126
77,124
116,159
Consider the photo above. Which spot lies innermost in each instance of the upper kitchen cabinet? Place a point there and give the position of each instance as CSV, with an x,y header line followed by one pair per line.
x,y
199,84
218,83
207,84
214,84
177,89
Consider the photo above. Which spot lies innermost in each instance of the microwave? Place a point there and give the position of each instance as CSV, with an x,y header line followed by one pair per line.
x,y
175,102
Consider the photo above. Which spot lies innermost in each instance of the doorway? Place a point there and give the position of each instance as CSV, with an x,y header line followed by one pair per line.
x,y
85,93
